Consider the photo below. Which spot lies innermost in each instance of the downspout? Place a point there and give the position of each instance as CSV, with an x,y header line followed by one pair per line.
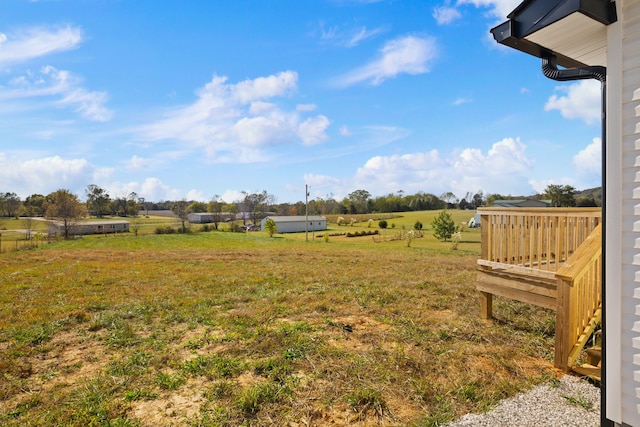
x,y
550,70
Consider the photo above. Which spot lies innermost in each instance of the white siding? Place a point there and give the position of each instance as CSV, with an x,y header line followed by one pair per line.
x,y
296,224
623,217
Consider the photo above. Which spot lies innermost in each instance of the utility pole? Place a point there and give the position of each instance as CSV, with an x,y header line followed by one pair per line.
x,y
306,212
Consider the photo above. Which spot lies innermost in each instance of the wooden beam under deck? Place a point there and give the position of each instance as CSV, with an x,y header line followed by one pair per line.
x,y
531,289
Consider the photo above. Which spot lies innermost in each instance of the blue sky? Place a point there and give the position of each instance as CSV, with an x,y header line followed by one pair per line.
x,y
190,99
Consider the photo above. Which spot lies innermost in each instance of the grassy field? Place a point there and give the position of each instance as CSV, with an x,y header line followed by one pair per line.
x,y
227,329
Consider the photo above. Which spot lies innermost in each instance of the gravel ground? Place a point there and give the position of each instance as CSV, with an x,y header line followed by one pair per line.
x,y
572,402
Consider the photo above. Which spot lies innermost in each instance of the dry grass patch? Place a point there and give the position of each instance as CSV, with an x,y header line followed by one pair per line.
x,y
197,330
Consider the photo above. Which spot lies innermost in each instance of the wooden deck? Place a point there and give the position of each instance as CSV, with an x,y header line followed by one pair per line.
x,y
549,257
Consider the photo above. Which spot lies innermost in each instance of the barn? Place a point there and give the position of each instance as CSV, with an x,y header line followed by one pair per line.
x,y
297,223
200,218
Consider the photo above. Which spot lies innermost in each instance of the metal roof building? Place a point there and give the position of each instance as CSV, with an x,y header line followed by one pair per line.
x,y
297,223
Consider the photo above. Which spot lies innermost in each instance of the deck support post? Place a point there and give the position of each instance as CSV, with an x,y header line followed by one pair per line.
x,y
563,325
486,305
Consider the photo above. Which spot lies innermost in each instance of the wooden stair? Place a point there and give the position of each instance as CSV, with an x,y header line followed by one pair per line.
x,y
592,367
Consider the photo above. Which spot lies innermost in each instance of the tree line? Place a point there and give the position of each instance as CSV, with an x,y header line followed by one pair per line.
x,y
254,206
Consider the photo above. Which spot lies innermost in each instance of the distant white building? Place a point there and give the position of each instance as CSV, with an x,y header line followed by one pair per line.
x,y
56,228
297,223
200,218
209,217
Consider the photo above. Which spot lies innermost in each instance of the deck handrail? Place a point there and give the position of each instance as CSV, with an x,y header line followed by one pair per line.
x,y
538,238
579,299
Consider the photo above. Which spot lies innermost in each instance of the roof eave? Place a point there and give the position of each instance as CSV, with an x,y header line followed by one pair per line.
x,y
534,15
504,35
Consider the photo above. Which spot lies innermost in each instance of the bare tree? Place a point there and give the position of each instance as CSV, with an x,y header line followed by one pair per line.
x,y
256,204
27,223
181,210
215,207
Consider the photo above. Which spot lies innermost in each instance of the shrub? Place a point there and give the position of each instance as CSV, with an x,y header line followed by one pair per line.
x,y
382,224
325,237
235,228
340,220
361,233
417,225
455,239
164,229
410,236
270,227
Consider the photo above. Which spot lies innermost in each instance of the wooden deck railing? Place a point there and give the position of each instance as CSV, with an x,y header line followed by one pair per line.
x,y
537,238
550,257
579,299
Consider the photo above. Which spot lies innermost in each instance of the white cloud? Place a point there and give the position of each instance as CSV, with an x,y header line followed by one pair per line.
x,y
231,196
312,130
317,181
262,87
261,131
588,162
350,37
235,123
103,174
503,168
461,101
151,189
404,55
540,186
137,163
154,189
306,107
89,104
579,100
497,8
258,108
34,42
51,82
361,34
345,131
445,15
196,195
47,174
